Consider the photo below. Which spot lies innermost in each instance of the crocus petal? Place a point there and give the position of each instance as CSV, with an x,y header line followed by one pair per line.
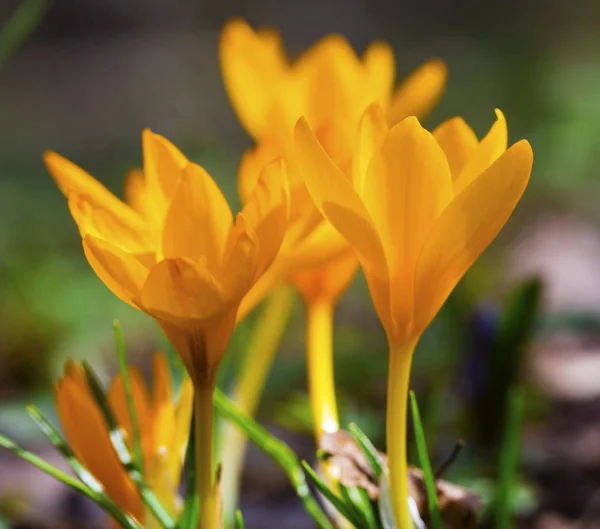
x,y
241,263
163,163
458,141
162,386
266,212
251,165
72,179
419,92
253,65
178,289
163,411
86,431
372,130
121,272
486,153
183,415
198,220
380,69
117,398
467,227
337,200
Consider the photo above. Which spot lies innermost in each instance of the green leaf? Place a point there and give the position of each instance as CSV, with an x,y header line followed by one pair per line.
x,y
368,449
191,507
123,369
92,485
347,510
239,520
430,487
117,438
20,25
509,460
282,454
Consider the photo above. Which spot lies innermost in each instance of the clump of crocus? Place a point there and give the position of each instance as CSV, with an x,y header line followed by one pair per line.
x,y
163,421
176,253
420,210
331,86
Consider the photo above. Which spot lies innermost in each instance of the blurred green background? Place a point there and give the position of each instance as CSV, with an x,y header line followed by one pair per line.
x,y
94,73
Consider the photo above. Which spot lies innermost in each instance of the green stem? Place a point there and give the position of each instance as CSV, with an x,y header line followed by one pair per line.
x,y
203,435
264,342
397,407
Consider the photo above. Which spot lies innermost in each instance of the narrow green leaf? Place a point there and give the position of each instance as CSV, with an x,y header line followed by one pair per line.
x,y
368,449
363,503
430,487
239,520
191,507
346,510
90,482
20,25
162,515
282,454
123,369
509,460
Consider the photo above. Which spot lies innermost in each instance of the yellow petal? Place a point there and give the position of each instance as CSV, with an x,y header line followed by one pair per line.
x,y
419,92
87,433
252,163
183,417
486,153
179,290
380,68
163,163
121,272
198,221
241,263
467,227
337,200
117,399
266,212
458,141
407,187
253,66
72,179
162,386
371,133
162,404
136,192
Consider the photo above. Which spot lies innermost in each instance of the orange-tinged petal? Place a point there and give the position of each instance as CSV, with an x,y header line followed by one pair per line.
x,y
266,212
486,153
75,372
87,433
163,163
372,130
117,399
162,386
407,187
136,193
253,66
198,221
458,141
72,179
121,272
380,68
337,200
178,289
253,161
241,264
467,227
183,417
419,92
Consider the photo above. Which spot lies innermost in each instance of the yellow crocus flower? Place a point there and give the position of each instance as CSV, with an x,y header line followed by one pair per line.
x,y
421,208
164,424
177,254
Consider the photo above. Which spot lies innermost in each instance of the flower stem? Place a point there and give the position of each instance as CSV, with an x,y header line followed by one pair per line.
x,y
204,416
263,344
319,343
397,407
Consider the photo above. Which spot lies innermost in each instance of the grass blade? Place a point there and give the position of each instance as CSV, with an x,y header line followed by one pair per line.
x,y
191,507
282,454
162,515
20,25
239,520
90,482
430,487
368,449
509,460
135,425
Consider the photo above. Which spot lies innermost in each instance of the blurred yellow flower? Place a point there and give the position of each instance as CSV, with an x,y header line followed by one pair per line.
x,y
420,210
175,251
164,424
